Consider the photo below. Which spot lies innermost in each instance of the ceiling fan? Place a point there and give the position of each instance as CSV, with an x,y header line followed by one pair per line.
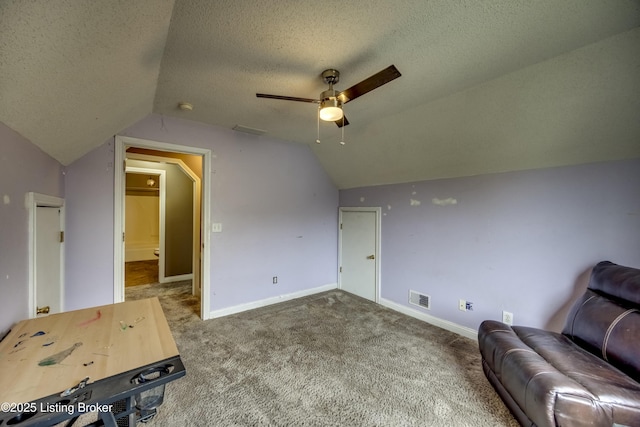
x,y
331,101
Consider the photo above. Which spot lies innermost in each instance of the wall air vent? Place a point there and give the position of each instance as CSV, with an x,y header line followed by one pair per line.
x,y
420,300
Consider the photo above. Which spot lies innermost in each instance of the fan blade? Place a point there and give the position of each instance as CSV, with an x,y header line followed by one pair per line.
x,y
369,84
342,122
287,98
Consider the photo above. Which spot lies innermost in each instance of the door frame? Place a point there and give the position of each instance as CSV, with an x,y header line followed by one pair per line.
x,y
162,203
378,214
197,211
34,201
121,144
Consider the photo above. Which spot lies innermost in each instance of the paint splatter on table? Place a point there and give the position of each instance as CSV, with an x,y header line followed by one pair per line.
x,y
47,355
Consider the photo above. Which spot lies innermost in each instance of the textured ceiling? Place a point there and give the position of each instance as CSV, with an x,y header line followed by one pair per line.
x,y
486,86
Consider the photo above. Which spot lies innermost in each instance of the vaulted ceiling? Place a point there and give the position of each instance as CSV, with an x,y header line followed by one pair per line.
x,y
486,86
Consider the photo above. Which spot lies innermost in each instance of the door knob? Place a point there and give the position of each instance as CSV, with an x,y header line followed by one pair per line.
x,y
43,310
371,257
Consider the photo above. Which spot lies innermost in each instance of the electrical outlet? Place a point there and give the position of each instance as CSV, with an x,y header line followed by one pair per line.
x,y
462,305
469,306
275,280
507,318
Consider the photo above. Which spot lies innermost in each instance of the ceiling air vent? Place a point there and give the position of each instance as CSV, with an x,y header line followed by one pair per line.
x,y
247,129
420,300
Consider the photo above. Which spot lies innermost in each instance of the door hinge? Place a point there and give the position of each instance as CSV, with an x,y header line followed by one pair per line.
x,y
61,236
340,226
124,166
340,269
123,236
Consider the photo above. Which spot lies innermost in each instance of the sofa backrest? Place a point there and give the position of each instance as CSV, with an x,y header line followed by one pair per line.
x,y
606,320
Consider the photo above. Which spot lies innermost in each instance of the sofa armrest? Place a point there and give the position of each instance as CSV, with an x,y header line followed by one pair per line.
x,y
605,325
545,394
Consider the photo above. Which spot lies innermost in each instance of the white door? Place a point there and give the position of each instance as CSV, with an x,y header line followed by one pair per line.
x,y
48,285
359,260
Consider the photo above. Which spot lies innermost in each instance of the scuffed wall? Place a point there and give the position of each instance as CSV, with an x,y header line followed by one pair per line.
x,y
521,242
277,205
89,229
23,168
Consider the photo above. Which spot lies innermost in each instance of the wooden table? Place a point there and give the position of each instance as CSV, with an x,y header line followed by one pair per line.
x,y
43,360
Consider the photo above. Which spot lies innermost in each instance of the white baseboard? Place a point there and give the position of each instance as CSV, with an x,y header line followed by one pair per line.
x,y
268,301
179,278
441,323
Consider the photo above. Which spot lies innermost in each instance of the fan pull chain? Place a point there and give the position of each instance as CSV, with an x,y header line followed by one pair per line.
x,y
318,117
342,128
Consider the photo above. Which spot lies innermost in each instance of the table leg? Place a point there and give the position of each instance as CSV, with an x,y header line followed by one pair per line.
x,y
109,420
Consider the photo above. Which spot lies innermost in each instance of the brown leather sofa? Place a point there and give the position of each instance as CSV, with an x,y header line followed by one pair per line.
x,y
588,375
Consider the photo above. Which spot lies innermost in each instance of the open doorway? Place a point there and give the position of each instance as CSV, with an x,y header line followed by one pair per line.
x,y
144,213
182,243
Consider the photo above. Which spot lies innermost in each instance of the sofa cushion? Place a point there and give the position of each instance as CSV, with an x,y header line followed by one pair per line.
x,y
606,319
553,381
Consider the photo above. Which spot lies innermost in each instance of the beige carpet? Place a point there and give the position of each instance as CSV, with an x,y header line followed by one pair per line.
x,y
331,359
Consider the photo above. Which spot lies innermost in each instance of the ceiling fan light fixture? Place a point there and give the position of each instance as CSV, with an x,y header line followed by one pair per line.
x,y
331,101
330,110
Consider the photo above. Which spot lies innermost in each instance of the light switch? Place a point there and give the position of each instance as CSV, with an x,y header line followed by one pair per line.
x,y
216,227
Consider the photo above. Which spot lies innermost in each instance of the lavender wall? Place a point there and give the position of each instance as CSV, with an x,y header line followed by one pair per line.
x,y
23,168
521,242
277,205
89,229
